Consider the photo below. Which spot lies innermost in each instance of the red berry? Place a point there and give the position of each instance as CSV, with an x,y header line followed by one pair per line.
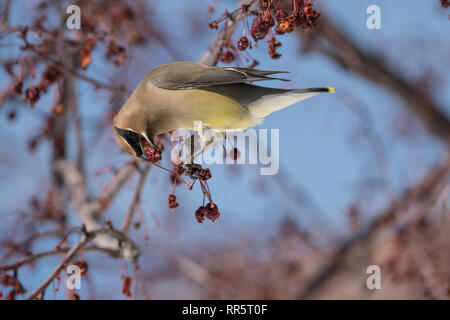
x,y
227,57
153,154
200,214
204,174
243,43
269,20
173,201
259,29
281,16
212,212
213,25
32,94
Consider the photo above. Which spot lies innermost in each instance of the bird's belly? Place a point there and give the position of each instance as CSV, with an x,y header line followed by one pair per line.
x,y
213,110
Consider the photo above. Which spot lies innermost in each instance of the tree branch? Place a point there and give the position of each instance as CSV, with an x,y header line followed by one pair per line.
x,y
136,199
72,252
89,211
212,54
87,237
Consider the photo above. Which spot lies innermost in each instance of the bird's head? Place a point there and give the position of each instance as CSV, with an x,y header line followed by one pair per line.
x,y
130,134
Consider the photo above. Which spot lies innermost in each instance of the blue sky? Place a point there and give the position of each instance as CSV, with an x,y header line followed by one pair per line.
x,y
321,149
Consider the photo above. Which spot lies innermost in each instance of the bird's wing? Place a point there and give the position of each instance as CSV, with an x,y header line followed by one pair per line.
x,y
262,101
221,76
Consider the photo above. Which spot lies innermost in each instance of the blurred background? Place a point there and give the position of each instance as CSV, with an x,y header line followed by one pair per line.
x,y
363,179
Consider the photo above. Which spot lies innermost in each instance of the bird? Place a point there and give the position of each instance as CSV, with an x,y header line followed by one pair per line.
x,y
172,96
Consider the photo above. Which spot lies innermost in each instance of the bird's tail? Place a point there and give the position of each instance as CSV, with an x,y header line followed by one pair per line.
x,y
270,103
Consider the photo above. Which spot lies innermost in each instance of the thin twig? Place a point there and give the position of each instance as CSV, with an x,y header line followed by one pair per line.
x,y
65,68
72,252
211,55
136,199
89,211
88,236
51,253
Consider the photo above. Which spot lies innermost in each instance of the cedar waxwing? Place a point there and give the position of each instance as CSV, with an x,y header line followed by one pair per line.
x,y
172,96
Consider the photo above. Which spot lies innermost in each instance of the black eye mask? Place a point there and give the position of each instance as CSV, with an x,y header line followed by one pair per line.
x,y
132,138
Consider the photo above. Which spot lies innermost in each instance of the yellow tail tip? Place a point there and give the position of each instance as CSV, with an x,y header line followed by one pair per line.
x,y
331,90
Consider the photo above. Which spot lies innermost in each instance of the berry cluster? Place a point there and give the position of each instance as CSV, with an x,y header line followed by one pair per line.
x,y
195,172
32,94
210,211
7,280
273,17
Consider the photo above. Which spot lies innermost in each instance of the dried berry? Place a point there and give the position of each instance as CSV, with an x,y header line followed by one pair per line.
x,y
264,4
126,286
12,281
212,212
213,25
50,75
269,20
153,154
281,16
173,201
259,29
227,56
283,27
204,174
273,45
32,94
176,172
75,296
83,267
243,43
201,213
254,63
7,280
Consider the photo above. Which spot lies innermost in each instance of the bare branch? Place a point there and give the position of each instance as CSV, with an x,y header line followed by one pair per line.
x,y
88,211
211,55
72,252
56,251
71,71
86,238
136,199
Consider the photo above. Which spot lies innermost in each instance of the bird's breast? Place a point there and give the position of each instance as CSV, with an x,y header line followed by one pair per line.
x,y
179,109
